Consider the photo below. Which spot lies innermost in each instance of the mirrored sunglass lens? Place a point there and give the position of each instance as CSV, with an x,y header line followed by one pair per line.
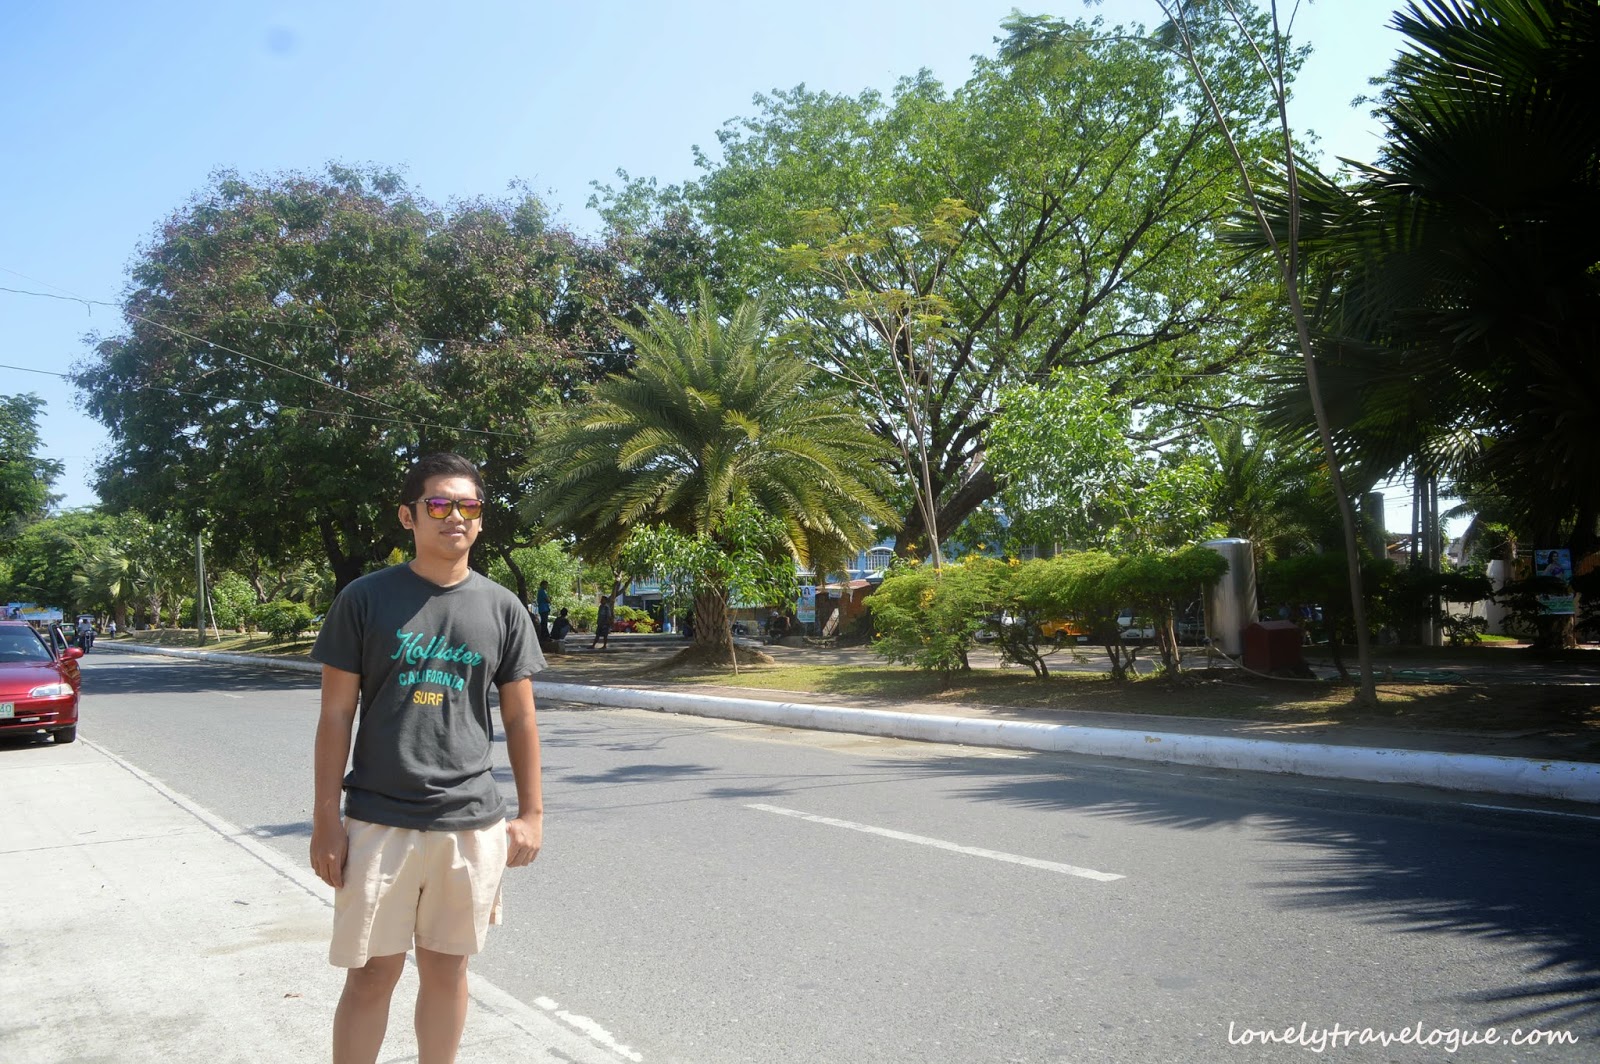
x,y
470,509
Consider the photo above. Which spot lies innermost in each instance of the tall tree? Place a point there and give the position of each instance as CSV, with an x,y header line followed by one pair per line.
x,y
48,552
291,345
1202,32
25,477
1075,476
714,412
1269,492
1462,308
1093,191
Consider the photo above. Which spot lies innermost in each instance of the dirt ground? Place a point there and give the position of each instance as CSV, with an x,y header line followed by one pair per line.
x,y
1484,691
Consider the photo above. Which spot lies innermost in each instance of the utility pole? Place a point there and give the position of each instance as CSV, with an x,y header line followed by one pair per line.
x,y
199,589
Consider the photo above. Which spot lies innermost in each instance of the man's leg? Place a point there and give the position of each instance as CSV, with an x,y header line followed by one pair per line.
x,y
363,1013
441,1005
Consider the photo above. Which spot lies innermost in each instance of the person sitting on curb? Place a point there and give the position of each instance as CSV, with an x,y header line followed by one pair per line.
x,y
561,626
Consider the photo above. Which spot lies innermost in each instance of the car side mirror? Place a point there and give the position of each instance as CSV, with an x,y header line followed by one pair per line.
x,y
72,654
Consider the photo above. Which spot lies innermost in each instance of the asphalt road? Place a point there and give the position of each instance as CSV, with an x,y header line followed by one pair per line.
x,y
720,893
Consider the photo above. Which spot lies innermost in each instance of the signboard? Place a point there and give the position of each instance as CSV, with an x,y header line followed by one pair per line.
x,y
806,611
1556,565
27,611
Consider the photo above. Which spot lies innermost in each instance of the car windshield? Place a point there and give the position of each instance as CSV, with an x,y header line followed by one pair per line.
x,y
21,644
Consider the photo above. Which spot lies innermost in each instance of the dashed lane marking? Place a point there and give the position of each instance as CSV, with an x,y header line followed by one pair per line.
x,y
941,844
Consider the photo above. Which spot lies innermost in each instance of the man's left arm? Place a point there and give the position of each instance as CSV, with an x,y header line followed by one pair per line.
x,y
525,833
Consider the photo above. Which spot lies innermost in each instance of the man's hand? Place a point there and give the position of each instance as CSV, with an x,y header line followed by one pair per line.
x,y
524,837
330,845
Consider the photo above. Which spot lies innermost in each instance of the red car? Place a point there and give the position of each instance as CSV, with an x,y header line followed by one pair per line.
x,y
39,684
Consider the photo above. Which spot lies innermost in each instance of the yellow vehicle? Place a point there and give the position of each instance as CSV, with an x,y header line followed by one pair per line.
x,y
1062,631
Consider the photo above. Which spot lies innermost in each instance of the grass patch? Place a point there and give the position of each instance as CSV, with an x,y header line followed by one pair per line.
x,y
229,642
1507,707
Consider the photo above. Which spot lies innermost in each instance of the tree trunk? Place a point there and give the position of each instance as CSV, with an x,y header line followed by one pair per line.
x,y
712,636
1171,652
504,550
973,493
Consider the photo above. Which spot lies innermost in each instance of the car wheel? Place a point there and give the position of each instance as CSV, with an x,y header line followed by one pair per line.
x,y
66,735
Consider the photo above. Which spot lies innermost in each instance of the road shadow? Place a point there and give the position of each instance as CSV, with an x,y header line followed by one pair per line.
x,y
281,831
1447,870
178,676
641,772
23,739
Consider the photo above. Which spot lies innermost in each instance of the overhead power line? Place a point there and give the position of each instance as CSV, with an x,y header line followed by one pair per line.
x,y
266,362
280,407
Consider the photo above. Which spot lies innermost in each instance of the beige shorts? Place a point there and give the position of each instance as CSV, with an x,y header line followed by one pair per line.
x,y
436,889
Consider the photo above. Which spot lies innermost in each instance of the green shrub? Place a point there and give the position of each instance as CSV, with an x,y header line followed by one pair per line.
x,y
1066,588
930,618
1158,586
628,619
282,619
582,614
232,598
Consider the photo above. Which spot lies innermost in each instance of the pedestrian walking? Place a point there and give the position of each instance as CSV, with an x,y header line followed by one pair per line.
x,y
602,625
417,858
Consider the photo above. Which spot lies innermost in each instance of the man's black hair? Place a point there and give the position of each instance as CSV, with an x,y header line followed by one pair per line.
x,y
443,464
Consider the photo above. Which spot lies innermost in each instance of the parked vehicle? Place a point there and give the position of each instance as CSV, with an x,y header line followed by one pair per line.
x,y
39,683
1063,631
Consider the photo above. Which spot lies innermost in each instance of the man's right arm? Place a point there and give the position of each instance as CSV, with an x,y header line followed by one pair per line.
x,y
329,842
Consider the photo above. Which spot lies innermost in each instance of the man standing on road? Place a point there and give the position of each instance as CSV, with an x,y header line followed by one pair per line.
x,y
418,857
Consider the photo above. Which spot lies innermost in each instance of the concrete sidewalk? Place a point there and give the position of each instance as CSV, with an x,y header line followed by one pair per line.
x,y
139,927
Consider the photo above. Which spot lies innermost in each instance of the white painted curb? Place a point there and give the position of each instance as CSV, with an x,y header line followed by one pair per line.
x,y
218,656
1574,781
1571,780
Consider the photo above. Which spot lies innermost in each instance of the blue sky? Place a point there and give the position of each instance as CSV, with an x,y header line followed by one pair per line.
x,y
116,113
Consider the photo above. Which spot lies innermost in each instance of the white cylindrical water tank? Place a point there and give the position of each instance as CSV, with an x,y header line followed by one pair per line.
x,y
1231,602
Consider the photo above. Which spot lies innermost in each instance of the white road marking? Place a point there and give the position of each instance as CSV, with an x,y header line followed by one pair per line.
x,y
923,840
589,1027
1535,812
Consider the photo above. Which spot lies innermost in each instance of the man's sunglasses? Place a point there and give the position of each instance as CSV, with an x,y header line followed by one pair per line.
x,y
439,509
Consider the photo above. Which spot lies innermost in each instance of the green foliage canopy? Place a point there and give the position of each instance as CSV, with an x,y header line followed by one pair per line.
x,y
291,345
1074,472
1462,307
25,478
1091,192
712,413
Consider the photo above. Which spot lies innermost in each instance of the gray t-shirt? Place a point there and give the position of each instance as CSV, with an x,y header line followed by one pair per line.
x,y
426,655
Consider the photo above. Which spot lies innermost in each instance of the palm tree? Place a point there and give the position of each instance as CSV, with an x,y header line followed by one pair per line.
x,y
1268,493
1461,307
714,411
119,580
